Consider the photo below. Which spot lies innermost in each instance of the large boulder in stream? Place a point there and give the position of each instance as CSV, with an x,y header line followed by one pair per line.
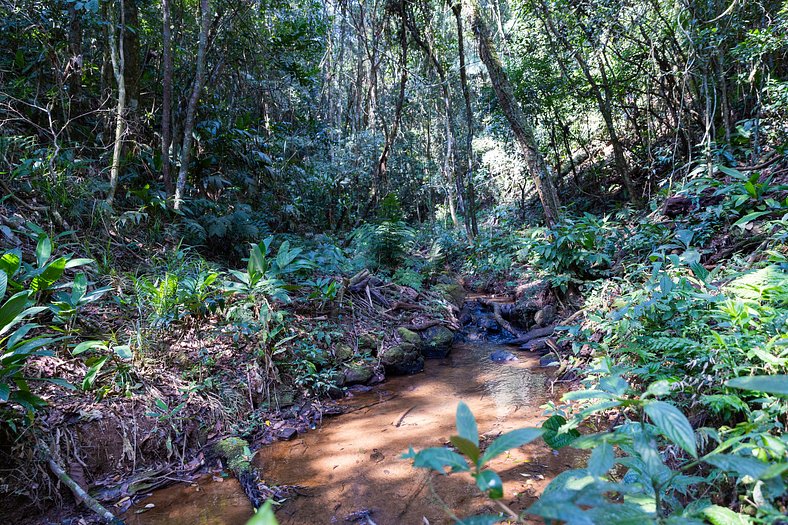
x,y
436,342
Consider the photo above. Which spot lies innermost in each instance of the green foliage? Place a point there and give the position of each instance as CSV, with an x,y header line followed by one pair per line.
x,y
577,249
25,293
473,459
384,244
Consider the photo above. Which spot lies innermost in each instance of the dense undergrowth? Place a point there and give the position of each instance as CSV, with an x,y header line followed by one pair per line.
x,y
681,358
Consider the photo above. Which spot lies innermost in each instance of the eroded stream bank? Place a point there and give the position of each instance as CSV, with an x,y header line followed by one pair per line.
x,y
351,467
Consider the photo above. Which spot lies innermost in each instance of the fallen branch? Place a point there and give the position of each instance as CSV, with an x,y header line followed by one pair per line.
x,y
499,318
399,305
533,334
424,326
79,492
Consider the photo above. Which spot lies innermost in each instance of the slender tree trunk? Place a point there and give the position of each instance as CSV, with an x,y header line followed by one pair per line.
x,y
191,110
118,68
449,168
166,97
603,96
545,187
131,48
471,227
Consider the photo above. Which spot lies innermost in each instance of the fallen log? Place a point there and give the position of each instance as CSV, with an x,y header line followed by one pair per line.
x,y
533,334
236,454
535,345
79,492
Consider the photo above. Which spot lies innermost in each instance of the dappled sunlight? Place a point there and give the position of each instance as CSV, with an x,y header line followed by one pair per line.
x,y
353,462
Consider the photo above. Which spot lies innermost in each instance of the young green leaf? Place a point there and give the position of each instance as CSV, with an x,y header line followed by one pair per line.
x,y
438,458
43,250
510,440
466,447
490,483
466,424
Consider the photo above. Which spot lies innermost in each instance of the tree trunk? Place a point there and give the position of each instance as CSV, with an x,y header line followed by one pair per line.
x,y
191,110
471,227
449,168
514,114
118,68
166,97
603,96
131,48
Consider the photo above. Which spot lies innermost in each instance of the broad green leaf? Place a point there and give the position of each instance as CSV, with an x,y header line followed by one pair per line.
x,y
123,351
731,172
657,388
264,516
3,284
76,263
510,440
490,483
11,309
25,314
621,514
466,424
673,424
10,263
93,371
49,275
739,465
721,516
466,447
587,394
84,346
79,287
19,334
55,381
776,384
5,391
551,435
43,250
438,458
601,460
744,221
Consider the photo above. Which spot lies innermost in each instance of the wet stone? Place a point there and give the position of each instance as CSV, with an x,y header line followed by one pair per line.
x,y
437,342
500,356
287,433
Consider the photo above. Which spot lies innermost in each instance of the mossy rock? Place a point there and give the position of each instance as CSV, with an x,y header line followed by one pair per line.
x,y
402,359
236,454
358,373
285,398
437,342
453,293
409,336
369,342
343,352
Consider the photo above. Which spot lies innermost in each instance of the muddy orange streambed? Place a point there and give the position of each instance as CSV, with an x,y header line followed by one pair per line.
x,y
351,466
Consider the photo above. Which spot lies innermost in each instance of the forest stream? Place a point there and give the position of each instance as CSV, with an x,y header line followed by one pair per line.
x,y
350,470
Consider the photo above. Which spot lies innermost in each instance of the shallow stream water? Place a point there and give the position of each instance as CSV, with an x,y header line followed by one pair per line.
x,y
352,464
